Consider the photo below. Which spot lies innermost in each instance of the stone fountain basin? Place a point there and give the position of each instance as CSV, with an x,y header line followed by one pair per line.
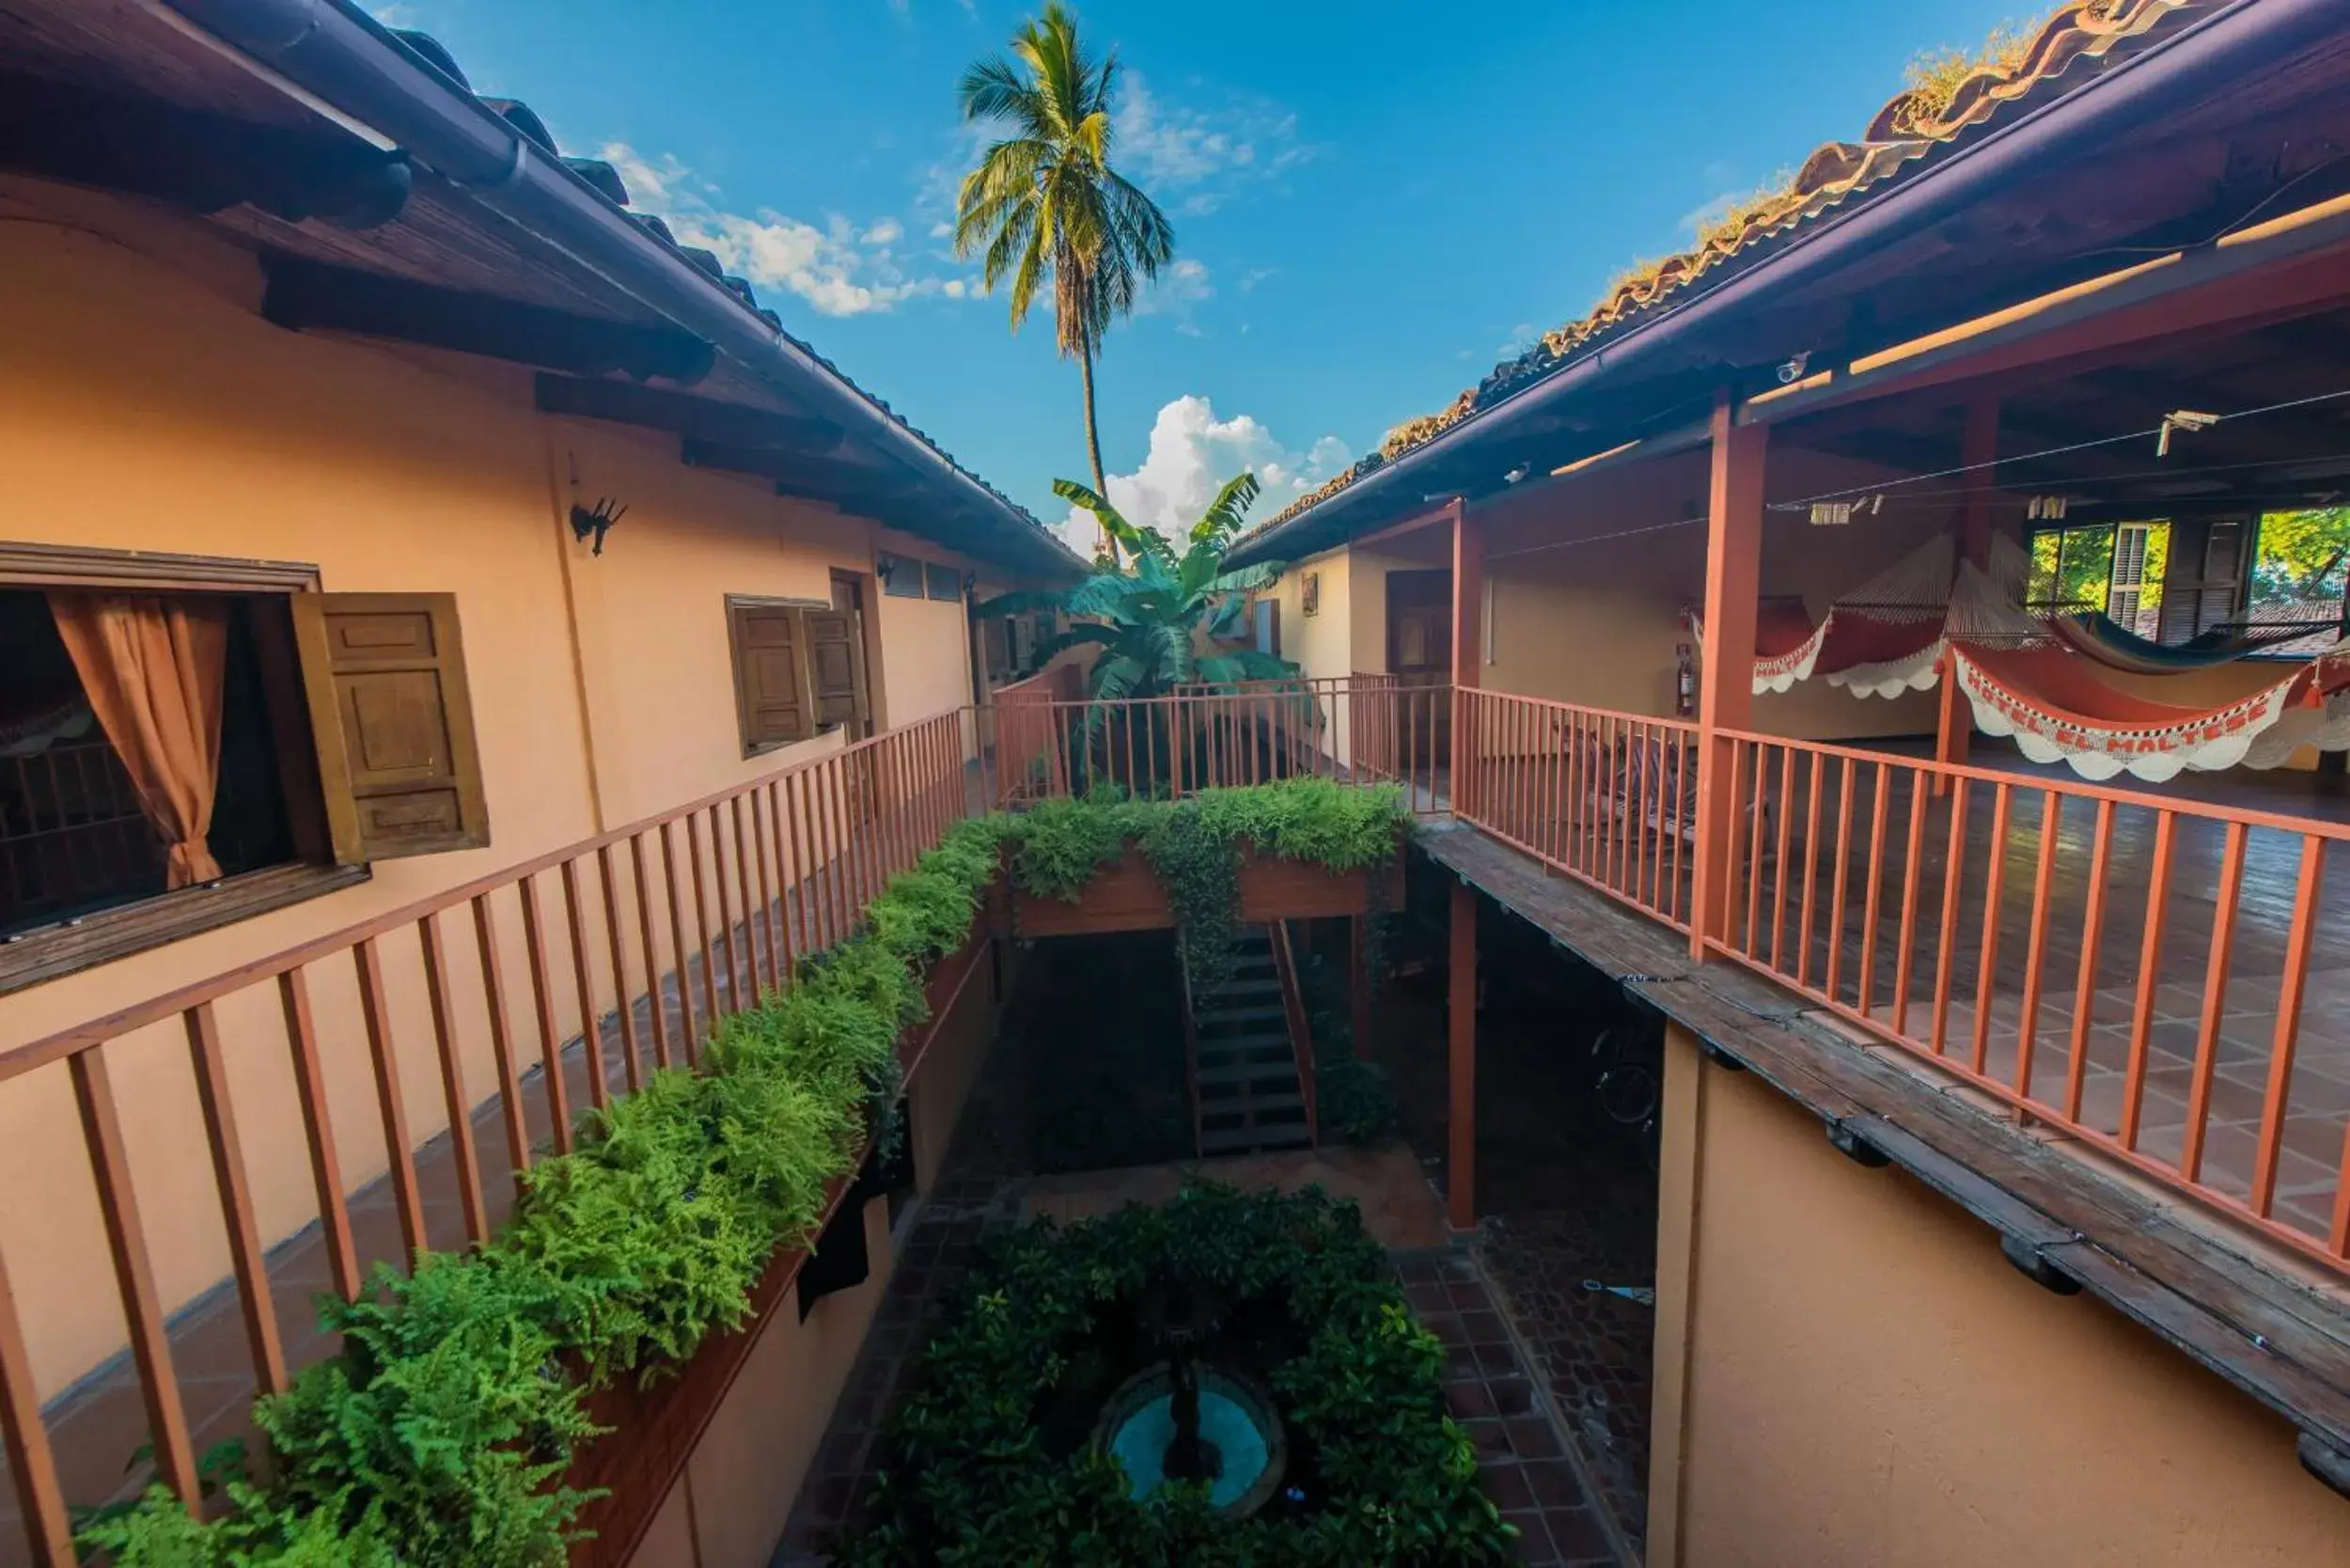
x,y
1138,1423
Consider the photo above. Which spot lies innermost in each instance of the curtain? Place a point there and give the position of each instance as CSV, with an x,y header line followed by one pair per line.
x,y
153,667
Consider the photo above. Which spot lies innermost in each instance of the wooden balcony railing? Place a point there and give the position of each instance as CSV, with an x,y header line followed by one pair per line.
x,y
1209,737
2166,979
567,978
1609,799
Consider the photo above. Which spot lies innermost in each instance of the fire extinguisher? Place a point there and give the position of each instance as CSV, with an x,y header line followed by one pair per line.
x,y
1684,681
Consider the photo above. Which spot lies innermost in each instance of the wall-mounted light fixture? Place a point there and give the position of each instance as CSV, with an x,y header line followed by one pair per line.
x,y
596,521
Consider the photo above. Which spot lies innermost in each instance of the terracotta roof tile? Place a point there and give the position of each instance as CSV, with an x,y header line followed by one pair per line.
x,y
1911,124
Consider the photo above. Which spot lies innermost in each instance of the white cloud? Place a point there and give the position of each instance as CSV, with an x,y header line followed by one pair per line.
x,y
1192,453
1520,339
837,268
1203,156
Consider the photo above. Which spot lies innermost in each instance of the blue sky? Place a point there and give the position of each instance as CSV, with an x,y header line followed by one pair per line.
x,y
1372,202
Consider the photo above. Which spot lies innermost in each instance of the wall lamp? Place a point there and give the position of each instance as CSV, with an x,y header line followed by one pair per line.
x,y
596,522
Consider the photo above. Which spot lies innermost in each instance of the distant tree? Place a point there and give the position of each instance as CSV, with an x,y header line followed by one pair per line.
x,y
1045,205
2301,555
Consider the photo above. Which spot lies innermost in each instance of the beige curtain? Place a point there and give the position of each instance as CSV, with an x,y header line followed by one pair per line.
x,y
153,667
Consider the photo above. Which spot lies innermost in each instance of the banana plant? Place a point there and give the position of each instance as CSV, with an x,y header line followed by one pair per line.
x,y
1149,618
1155,623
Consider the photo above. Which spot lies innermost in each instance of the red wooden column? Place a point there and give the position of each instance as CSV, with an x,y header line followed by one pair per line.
x,y
1461,998
1733,570
1468,646
1979,444
1359,981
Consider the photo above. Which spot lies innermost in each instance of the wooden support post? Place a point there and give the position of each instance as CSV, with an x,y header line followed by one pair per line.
x,y
1979,444
1360,982
1733,570
1468,648
1461,984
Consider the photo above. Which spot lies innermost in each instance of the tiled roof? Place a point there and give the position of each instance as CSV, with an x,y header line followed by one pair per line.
x,y
606,182
1913,123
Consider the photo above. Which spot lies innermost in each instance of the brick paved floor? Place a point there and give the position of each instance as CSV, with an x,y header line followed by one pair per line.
x,y
1566,1198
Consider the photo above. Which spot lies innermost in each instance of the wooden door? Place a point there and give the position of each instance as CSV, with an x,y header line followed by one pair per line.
x,y
1420,654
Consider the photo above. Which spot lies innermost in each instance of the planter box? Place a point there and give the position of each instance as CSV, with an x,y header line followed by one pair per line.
x,y
1126,896
655,1431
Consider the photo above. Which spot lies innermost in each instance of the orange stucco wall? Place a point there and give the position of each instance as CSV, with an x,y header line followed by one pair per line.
x,y
1850,1376
143,405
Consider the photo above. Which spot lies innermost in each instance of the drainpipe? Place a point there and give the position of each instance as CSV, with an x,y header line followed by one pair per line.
x,y
2210,57
334,50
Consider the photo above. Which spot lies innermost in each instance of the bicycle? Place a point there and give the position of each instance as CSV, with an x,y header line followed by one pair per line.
x,y
1629,1092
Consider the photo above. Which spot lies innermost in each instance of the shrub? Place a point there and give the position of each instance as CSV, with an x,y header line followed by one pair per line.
x,y
976,1470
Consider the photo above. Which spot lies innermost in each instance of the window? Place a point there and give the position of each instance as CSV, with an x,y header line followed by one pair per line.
x,y
1010,644
2142,559
906,577
2072,569
2298,570
186,741
799,669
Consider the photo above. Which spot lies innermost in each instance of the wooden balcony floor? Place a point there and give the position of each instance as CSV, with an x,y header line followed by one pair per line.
x,y
1835,951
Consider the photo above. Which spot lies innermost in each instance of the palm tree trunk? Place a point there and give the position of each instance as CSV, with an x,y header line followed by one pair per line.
x,y
1093,433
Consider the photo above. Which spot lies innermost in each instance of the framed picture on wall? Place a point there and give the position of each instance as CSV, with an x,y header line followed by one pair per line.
x,y
1310,592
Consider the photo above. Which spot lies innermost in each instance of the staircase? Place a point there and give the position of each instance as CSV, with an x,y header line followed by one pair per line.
x,y
1247,1039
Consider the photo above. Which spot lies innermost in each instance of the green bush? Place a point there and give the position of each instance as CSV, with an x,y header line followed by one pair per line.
x,y
971,1474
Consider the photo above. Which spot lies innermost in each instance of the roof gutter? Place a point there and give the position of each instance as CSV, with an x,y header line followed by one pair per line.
x,y
2222,48
336,52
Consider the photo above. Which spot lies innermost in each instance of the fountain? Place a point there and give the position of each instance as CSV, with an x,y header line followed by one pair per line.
x,y
1183,1420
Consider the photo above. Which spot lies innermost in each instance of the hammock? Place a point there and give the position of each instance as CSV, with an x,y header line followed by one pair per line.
x,y
2058,710
1885,636
1881,639
2095,636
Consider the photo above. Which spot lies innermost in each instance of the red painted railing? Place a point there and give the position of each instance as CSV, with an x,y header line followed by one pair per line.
x,y
1609,798
2160,977
638,939
1205,737
2166,979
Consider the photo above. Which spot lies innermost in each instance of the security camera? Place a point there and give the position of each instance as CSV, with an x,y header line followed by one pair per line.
x,y
1792,370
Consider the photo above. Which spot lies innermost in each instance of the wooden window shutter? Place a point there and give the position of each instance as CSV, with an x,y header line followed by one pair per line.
x,y
836,663
770,674
393,722
2226,565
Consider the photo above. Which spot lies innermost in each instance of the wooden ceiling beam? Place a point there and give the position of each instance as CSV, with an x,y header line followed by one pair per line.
x,y
195,159
707,420
313,296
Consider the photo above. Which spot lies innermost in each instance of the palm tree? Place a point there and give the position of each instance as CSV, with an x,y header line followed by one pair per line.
x,y
1044,202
